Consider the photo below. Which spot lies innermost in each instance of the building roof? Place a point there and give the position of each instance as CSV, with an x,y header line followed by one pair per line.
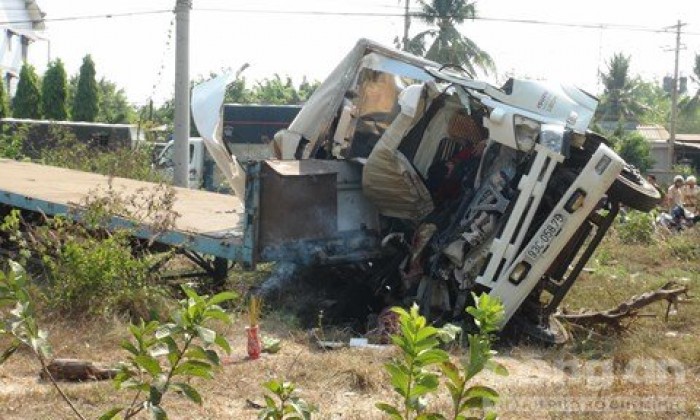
x,y
688,138
653,132
35,14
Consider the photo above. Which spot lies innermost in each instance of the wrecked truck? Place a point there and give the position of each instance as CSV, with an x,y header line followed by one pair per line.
x,y
432,185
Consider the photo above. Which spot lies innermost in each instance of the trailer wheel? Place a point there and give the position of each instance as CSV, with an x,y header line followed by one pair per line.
x,y
634,191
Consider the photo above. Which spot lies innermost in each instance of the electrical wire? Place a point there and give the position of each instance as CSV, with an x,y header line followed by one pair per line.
x,y
417,14
87,17
413,14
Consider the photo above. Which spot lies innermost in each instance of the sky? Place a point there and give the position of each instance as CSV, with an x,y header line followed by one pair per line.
x,y
136,51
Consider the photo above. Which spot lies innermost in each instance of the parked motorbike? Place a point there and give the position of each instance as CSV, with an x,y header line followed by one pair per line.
x,y
677,220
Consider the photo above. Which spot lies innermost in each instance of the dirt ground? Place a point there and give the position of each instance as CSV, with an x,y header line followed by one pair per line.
x,y
651,370
346,383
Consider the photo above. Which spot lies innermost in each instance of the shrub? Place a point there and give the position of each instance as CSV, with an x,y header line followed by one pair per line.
x,y
91,271
636,227
67,152
12,142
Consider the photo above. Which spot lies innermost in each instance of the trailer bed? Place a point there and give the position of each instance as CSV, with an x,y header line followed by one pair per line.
x,y
208,223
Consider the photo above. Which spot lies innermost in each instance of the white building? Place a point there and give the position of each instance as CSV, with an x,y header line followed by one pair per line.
x,y
21,23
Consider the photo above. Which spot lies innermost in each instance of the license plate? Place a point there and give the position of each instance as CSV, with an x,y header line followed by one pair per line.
x,y
546,236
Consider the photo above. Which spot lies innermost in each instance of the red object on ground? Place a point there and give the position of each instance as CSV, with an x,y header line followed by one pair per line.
x,y
254,345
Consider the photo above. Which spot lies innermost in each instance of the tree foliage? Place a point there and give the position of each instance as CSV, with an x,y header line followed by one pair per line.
x,y
27,100
689,106
271,91
4,103
444,43
278,91
620,99
655,101
86,99
54,92
114,107
633,148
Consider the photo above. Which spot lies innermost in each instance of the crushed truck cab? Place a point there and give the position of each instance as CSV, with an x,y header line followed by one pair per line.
x,y
439,185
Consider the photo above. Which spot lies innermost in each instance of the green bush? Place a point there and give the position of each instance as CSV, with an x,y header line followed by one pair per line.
x,y
68,152
636,227
12,142
91,275
90,271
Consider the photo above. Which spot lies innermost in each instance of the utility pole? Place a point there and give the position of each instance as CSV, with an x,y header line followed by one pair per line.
x,y
406,25
674,99
181,149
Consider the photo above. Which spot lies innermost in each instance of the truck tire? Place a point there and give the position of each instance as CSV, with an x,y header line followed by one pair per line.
x,y
634,191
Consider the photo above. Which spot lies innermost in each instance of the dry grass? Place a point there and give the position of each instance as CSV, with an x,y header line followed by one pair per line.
x,y
566,382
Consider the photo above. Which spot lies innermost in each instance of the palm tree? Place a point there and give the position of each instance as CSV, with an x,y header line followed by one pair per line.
x,y
620,97
448,45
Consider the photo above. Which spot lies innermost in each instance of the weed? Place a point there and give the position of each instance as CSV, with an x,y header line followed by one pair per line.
x,y
160,354
68,152
89,270
685,246
413,379
12,142
20,323
288,406
637,227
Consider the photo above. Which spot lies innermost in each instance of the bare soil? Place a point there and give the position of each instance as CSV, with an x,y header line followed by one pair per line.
x,y
651,370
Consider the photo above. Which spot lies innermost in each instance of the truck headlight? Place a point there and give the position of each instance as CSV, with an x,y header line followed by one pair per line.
x,y
526,132
552,137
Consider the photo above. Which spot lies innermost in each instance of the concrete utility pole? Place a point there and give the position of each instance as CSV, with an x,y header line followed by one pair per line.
x,y
406,25
674,100
181,149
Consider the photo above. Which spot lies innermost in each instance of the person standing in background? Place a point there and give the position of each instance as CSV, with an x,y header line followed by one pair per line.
x,y
674,196
690,195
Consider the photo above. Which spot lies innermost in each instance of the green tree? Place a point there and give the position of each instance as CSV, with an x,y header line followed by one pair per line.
x,y
27,100
275,91
689,106
4,103
655,101
54,92
86,99
620,99
448,45
633,148
114,107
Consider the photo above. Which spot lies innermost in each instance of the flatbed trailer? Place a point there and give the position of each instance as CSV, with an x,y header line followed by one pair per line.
x,y
208,224
292,211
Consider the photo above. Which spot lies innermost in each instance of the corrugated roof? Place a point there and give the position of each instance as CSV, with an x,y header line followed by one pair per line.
x,y
653,132
688,138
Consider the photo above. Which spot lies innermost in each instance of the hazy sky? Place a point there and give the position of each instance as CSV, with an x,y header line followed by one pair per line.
x,y
227,33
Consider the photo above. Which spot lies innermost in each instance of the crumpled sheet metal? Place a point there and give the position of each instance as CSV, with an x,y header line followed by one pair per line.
x,y
390,181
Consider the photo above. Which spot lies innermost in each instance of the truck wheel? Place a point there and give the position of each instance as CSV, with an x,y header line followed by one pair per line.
x,y
634,191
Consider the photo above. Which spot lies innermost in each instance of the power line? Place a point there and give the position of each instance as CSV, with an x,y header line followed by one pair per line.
x,y
87,17
415,14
